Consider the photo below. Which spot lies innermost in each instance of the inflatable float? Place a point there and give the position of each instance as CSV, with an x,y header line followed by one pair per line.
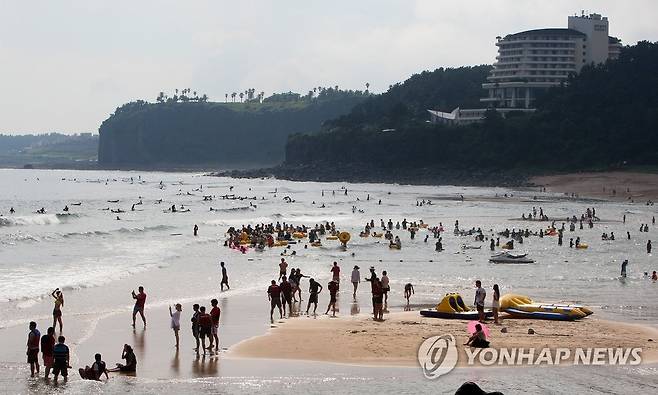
x,y
452,307
394,247
582,246
375,234
520,306
344,237
332,237
298,235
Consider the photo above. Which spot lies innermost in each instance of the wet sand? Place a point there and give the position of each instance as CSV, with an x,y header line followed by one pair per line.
x,y
638,187
360,340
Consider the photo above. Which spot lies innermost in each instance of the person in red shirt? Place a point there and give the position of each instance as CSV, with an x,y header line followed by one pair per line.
x,y
274,295
47,344
205,328
140,300
215,312
335,271
33,341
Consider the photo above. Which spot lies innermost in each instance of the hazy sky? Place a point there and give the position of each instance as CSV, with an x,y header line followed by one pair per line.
x,y
66,65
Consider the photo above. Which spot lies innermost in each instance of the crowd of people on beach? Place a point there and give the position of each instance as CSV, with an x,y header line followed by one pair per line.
x,y
286,291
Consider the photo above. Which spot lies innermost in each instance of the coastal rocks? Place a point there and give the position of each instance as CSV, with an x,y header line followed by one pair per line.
x,y
531,331
503,330
356,172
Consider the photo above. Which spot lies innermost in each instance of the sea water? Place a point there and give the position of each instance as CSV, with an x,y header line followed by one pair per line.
x,y
88,249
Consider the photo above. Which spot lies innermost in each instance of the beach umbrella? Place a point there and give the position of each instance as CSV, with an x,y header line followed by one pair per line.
x,y
471,328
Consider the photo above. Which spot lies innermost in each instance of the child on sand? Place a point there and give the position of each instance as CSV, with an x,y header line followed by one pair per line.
x,y
175,320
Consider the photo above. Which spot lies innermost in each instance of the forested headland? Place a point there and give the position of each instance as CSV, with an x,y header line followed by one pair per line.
x,y
189,131
605,117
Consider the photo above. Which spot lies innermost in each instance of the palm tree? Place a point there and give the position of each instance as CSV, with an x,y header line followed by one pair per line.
x,y
367,86
241,96
233,96
226,97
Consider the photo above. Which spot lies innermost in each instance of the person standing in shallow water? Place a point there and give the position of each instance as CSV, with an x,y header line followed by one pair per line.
x,y
58,296
196,230
140,301
356,279
274,295
33,340
314,289
649,247
224,277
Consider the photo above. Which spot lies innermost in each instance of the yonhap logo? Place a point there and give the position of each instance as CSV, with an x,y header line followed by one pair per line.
x,y
438,356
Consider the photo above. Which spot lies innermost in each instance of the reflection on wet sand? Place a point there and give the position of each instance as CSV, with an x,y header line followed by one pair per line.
x,y
355,308
205,365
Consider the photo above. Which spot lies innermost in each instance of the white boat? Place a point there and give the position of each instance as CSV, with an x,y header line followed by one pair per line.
x,y
508,257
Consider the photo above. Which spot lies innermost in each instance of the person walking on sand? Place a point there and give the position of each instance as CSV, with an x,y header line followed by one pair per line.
x,y
33,340
480,296
356,279
274,296
314,289
196,230
385,286
649,247
61,357
495,305
58,296
283,268
224,277
408,291
140,300
195,325
623,268
175,320
215,313
333,290
47,344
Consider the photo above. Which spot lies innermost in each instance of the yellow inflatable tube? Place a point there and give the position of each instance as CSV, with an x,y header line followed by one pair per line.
x,y
524,307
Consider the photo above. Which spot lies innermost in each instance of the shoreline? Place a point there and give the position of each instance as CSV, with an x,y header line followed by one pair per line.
x,y
360,341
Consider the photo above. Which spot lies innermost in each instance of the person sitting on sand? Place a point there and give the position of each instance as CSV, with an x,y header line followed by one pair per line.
x,y
95,371
478,339
131,360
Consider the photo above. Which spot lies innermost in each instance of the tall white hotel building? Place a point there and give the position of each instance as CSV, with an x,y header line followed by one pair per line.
x,y
532,61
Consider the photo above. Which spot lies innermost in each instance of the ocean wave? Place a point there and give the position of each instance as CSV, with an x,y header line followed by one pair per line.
x,y
230,209
145,229
38,219
240,221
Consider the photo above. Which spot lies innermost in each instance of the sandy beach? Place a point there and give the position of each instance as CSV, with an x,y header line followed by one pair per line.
x,y
361,341
635,186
